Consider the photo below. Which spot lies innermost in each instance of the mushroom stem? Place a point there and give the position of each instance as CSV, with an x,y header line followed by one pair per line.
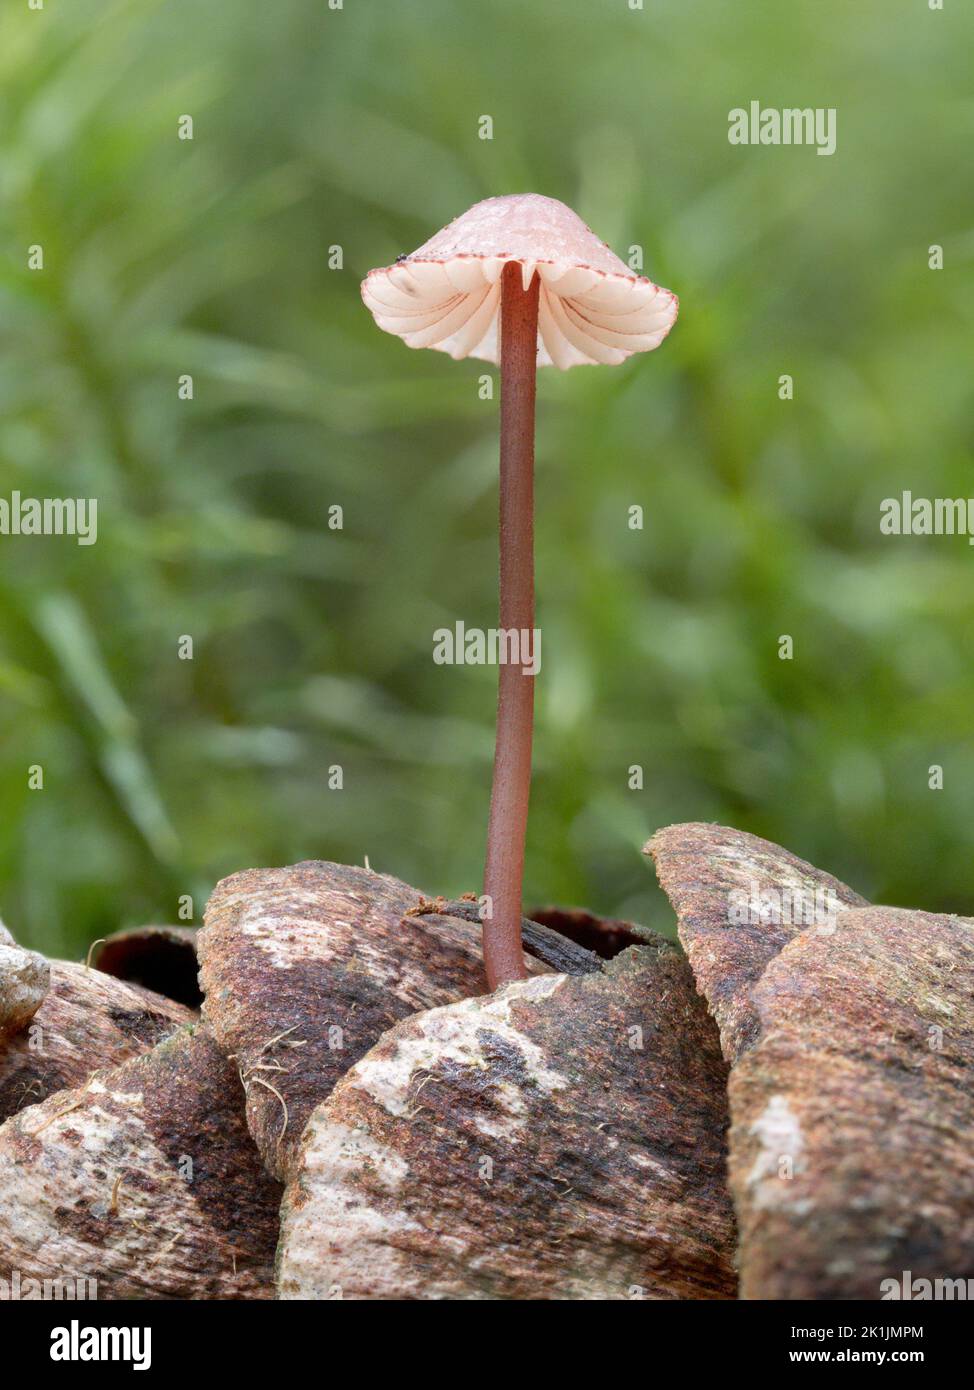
x,y
504,869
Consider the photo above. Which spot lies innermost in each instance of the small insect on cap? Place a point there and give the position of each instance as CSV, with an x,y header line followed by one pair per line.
x,y
592,308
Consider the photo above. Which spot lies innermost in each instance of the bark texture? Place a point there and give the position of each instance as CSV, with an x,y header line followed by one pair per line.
x,y
705,870
851,1152
145,1180
852,1082
560,1139
87,1020
304,968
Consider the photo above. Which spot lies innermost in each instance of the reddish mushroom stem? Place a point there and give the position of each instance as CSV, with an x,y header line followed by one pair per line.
x,y
504,869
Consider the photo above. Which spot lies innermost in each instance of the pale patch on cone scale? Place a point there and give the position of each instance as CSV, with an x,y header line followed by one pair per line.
x,y
34,1201
287,939
779,1134
333,1158
305,936
460,1033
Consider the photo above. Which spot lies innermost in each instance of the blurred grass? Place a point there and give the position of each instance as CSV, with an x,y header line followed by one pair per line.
x,y
358,128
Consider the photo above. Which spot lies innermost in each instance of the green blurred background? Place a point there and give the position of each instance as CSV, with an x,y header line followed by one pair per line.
x,y
359,127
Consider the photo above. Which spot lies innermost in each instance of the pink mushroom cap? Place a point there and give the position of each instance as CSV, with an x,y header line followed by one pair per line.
x,y
592,307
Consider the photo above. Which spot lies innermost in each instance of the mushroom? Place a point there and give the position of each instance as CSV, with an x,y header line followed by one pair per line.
x,y
519,280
